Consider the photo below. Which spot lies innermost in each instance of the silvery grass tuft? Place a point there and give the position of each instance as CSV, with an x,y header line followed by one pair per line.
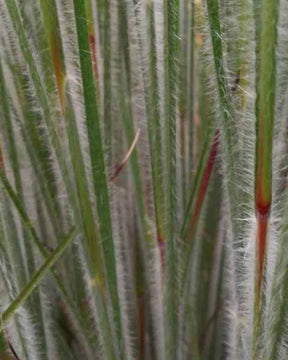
x,y
143,179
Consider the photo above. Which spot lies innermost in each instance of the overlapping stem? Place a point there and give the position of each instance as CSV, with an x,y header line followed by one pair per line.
x,y
97,155
35,302
228,126
37,242
41,98
197,196
36,278
204,183
55,42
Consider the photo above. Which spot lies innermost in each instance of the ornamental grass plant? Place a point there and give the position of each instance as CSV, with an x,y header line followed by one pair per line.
x,y
143,179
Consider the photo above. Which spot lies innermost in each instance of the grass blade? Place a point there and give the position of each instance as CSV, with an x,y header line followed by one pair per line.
x,y
51,24
97,155
264,146
155,132
37,277
170,76
31,230
264,126
228,127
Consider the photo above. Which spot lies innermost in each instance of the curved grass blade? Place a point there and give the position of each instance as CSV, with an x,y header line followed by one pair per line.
x,y
18,204
37,277
31,230
35,302
8,286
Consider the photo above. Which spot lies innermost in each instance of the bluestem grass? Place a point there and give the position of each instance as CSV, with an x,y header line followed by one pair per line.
x,y
181,253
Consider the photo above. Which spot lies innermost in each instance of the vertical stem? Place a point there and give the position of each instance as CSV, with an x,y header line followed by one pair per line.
x,y
190,116
204,182
264,146
264,128
52,29
107,90
97,158
170,54
196,199
92,41
182,92
154,128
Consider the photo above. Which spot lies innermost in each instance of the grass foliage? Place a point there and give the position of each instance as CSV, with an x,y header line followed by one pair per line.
x,y
143,179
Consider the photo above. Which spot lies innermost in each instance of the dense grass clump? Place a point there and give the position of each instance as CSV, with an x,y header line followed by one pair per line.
x,y
143,179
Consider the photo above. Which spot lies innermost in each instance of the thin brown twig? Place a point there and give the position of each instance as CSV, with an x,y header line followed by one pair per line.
x,y
13,351
127,156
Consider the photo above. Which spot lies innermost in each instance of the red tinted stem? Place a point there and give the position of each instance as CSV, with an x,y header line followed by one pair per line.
x,y
1,159
205,181
93,49
162,249
262,218
141,317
